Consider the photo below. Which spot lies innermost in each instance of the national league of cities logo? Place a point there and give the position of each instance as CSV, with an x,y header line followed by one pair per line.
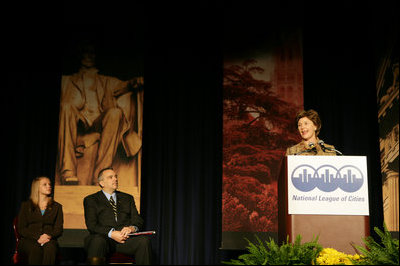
x,y
327,178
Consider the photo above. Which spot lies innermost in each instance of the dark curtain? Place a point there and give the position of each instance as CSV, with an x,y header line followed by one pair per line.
x,y
181,174
29,136
339,82
182,164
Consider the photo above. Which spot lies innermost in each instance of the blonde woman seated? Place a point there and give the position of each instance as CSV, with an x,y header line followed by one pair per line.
x,y
40,223
309,125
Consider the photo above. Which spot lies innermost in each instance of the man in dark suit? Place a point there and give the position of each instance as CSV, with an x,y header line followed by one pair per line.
x,y
110,223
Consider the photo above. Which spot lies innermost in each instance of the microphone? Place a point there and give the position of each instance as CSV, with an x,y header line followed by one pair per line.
x,y
324,148
322,144
312,147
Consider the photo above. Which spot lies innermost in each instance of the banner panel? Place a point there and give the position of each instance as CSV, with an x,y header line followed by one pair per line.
x,y
262,91
100,125
388,117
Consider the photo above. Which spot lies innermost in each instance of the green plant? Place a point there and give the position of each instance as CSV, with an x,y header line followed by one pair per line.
x,y
273,254
385,253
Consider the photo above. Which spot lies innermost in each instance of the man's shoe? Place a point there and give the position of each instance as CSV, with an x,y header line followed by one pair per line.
x,y
97,261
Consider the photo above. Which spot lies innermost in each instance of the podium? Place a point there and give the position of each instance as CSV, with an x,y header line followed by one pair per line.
x,y
324,196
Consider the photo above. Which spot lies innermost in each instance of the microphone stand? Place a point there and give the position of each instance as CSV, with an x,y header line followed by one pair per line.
x,y
335,150
322,144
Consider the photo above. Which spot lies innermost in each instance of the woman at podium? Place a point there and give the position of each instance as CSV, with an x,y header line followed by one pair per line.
x,y
309,125
302,206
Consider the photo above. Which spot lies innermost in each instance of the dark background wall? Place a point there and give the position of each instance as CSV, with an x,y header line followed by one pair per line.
x,y
183,55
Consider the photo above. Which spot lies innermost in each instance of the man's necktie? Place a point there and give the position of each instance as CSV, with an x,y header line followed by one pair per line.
x,y
114,206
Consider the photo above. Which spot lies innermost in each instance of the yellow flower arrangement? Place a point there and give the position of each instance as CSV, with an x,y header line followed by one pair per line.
x,y
330,256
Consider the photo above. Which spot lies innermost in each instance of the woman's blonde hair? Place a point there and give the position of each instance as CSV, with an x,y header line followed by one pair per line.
x,y
35,189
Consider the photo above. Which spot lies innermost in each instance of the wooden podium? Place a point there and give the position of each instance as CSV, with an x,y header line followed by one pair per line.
x,y
310,220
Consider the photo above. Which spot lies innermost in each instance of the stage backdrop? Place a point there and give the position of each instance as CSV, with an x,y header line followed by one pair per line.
x,y
388,117
100,123
262,91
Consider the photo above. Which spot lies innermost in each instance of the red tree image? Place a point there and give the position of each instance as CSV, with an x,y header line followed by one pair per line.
x,y
258,127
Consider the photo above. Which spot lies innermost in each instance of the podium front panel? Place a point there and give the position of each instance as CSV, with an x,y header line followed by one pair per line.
x,y
335,231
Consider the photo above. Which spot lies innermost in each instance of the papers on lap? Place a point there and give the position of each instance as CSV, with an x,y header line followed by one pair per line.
x,y
143,233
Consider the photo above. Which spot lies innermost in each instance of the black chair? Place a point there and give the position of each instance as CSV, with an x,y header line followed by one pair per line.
x,y
17,257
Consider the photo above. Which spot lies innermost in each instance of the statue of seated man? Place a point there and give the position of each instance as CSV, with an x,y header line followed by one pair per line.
x,y
89,103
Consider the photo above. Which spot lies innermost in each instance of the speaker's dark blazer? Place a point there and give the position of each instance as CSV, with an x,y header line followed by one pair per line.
x,y
99,215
